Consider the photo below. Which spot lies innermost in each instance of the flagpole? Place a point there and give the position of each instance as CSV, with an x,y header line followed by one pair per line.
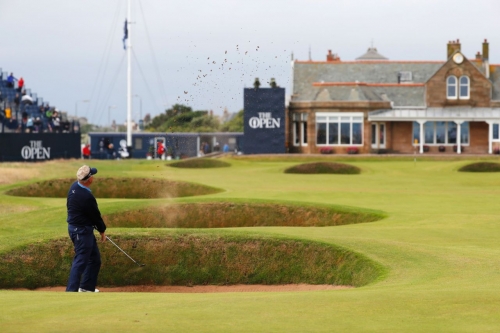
x,y
129,76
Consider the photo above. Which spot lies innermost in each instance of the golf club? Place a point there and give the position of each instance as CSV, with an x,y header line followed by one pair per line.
x,y
138,264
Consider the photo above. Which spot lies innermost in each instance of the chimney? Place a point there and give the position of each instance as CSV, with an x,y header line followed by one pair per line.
x,y
329,56
478,56
486,50
453,46
332,56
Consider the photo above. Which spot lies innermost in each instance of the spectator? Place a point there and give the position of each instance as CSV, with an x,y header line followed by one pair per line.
x,y
111,151
17,101
10,80
8,113
206,148
225,148
29,125
56,122
26,99
160,150
86,152
48,116
24,122
37,125
20,84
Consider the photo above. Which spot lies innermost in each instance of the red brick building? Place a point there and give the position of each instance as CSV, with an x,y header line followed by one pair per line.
x,y
375,105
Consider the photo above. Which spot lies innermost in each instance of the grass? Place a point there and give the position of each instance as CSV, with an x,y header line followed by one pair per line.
x,y
324,168
193,259
238,214
131,188
439,246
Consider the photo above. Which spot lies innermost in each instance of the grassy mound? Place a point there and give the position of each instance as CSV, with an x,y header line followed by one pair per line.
x,y
201,163
481,167
324,167
132,188
226,215
193,259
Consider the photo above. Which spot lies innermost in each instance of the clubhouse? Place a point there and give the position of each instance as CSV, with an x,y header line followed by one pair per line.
x,y
375,105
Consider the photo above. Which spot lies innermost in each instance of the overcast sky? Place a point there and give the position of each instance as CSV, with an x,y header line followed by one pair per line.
x,y
202,53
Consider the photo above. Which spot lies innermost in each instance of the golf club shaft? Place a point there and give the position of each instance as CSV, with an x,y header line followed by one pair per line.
x,y
122,251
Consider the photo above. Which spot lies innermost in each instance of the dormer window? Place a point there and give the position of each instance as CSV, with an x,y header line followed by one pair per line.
x,y
451,87
458,88
464,87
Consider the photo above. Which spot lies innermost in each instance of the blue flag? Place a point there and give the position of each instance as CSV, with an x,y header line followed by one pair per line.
x,y
125,35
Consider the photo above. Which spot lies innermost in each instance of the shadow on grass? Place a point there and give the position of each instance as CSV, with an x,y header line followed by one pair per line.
x,y
193,259
324,168
200,163
131,188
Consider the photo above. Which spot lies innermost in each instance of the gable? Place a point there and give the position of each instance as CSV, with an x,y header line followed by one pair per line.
x,y
479,89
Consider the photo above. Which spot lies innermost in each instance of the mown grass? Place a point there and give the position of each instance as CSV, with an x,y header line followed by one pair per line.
x,y
131,188
237,214
439,246
193,259
201,163
324,168
481,167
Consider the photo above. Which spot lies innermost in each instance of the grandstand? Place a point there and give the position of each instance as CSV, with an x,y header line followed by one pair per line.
x,y
32,115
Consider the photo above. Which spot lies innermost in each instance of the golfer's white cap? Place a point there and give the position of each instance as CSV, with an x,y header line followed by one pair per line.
x,y
85,172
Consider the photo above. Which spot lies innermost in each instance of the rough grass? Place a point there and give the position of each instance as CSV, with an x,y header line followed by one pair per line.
x,y
200,163
131,188
11,173
481,167
226,215
324,168
193,259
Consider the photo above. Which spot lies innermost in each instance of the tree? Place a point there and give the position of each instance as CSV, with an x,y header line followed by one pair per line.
x,y
235,124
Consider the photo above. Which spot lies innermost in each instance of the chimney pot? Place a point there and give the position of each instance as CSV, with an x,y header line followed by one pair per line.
x,y
486,50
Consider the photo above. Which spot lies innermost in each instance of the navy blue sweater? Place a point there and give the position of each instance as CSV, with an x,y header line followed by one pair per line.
x,y
82,208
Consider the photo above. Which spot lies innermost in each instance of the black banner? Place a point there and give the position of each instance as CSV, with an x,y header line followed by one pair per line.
x,y
39,146
264,121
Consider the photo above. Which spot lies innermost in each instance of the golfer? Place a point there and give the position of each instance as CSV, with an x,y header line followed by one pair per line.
x,y
83,216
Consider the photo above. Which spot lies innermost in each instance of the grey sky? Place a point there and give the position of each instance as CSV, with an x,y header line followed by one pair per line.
x,y
61,47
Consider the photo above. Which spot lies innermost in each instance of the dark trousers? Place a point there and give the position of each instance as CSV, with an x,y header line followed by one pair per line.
x,y
87,259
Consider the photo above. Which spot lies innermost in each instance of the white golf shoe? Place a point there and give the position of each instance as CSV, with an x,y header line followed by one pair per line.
x,y
80,290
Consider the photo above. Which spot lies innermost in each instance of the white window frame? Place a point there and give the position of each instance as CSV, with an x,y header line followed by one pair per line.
x,y
434,126
299,125
460,85
448,86
376,132
339,116
497,125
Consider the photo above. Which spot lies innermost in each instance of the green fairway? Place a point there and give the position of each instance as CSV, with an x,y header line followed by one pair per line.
x,y
438,243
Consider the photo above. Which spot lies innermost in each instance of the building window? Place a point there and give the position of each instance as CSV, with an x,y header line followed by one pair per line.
x,y
451,87
464,87
339,129
299,128
441,133
495,133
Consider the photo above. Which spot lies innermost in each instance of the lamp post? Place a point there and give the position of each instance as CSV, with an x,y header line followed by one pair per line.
x,y
76,105
109,113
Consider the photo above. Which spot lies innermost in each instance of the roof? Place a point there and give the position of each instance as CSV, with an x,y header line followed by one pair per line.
x,y
371,54
464,113
374,80
372,77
